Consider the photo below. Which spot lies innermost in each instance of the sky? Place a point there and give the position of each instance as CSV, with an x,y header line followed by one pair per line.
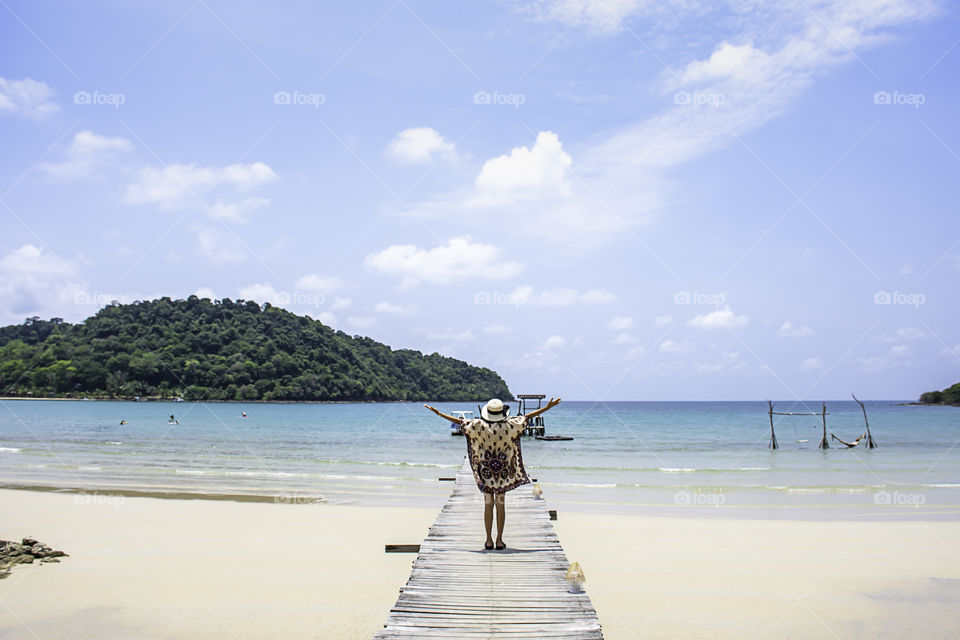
x,y
598,199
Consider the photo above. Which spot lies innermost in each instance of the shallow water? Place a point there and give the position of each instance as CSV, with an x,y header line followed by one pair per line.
x,y
663,457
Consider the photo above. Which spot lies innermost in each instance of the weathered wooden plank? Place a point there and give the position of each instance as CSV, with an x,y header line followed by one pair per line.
x,y
456,589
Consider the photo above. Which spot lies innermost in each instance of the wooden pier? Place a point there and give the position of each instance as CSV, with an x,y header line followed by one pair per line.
x,y
459,590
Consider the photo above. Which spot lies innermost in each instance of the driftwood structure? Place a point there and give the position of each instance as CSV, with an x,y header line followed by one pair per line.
x,y
773,436
871,444
824,442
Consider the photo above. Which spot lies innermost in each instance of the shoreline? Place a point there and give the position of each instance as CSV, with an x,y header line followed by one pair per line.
x,y
569,503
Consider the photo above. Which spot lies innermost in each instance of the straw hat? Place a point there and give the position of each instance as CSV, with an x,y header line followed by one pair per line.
x,y
494,411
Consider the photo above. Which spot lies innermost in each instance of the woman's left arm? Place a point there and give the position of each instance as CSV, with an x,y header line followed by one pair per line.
x,y
550,405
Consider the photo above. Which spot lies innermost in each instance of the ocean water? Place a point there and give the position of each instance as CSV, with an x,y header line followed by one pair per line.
x,y
671,458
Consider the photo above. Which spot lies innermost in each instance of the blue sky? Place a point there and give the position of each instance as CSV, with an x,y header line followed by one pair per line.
x,y
600,199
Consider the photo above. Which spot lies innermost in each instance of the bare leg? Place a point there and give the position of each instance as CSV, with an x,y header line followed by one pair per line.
x,y
501,517
488,516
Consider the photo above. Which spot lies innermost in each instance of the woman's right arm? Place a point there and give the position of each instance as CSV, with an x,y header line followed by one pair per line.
x,y
443,415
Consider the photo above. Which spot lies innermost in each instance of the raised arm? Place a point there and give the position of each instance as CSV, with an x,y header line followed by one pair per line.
x,y
443,415
550,405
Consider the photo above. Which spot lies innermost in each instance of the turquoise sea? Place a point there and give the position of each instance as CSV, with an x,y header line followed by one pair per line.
x,y
672,458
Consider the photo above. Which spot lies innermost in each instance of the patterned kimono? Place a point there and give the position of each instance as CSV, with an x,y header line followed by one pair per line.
x,y
494,452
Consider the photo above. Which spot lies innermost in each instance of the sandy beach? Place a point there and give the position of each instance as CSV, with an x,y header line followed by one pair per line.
x,y
152,568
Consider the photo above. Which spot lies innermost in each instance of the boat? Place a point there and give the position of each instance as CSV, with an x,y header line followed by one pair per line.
x,y
553,438
466,416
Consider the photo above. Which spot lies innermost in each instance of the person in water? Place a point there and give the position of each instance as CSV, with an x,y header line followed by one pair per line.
x,y
173,420
493,448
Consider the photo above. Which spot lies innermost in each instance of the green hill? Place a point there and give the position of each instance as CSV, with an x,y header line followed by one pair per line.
x,y
223,350
951,395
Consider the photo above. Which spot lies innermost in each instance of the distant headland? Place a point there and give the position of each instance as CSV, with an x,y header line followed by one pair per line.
x,y
949,396
202,349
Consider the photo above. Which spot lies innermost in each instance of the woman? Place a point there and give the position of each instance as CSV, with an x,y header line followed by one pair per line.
x,y
493,447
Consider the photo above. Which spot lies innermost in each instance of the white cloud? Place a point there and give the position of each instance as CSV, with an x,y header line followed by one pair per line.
x,y
553,342
559,296
27,97
236,211
394,309
903,334
900,351
84,154
497,328
451,335
599,15
316,283
265,292
361,322
216,246
326,318
769,55
34,281
177,184
811,364
669,346
340,303
418,145
787,330
527,173
598,296
205,292
459,259
910,333
719,319
624,338
620,323
662,321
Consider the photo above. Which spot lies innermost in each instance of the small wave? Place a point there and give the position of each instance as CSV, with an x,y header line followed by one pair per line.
x,y
90,468
941,486
417,464
190,472
389,463
113,442
10,450
675,469
752,469
582,485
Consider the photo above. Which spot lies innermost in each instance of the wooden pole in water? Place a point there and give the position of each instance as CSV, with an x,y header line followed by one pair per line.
x,y
824,443
773,436
871,444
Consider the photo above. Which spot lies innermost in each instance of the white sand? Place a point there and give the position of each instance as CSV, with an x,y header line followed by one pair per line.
x,y
152,568
654,577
